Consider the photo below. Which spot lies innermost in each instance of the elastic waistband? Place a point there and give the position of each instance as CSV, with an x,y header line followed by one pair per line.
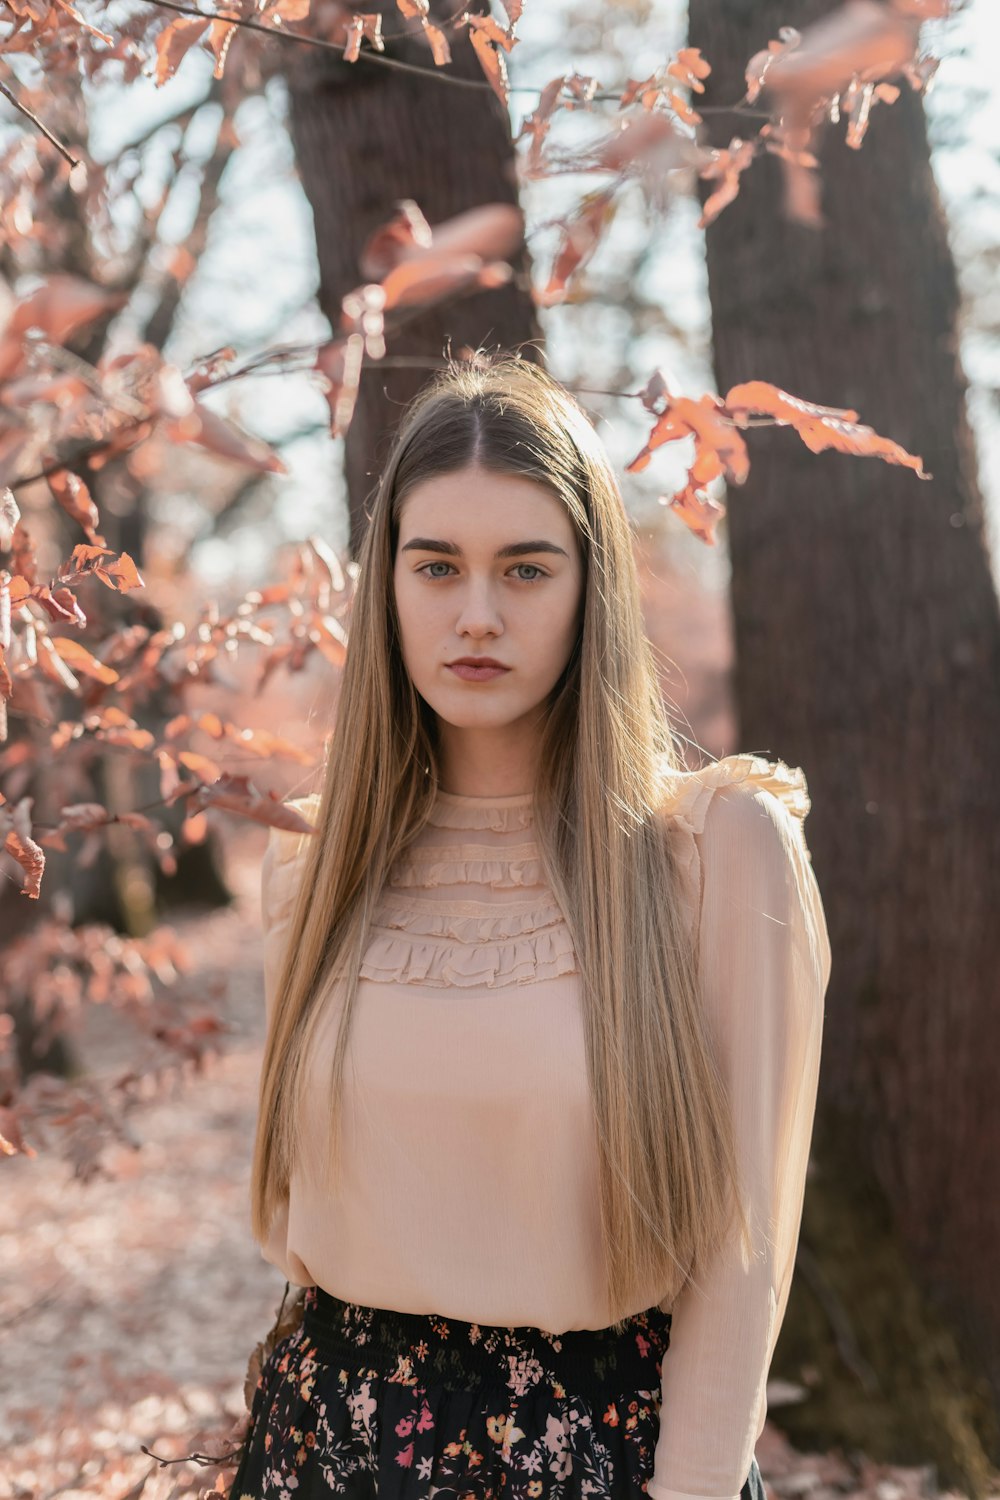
x,y
422,1348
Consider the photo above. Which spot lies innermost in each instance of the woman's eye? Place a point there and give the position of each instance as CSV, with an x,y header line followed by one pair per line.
x,y
427,569
535,570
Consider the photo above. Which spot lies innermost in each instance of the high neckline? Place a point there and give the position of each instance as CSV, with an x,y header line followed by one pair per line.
x,y
468,799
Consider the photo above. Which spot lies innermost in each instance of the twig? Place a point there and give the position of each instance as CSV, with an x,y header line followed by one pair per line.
x,y
847,1344
51,1295
285,34
23,109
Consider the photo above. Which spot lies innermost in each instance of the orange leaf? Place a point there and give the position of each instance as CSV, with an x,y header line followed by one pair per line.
x,y
174,42
219,40
12,1142
394,240
206,430
491,59
440,50
121,574
80,659
363,25
581,235
206,769
727,166
690,67
700,513
19,844
421,282
75,499
861,39
238,794
819,427
490,29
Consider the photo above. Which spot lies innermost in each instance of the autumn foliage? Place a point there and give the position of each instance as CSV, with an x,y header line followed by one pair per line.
x,y
77,677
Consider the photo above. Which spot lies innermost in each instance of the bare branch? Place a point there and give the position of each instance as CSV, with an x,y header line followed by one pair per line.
x,y
23,109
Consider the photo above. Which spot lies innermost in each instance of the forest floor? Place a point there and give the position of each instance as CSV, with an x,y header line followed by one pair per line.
x,y
130,1304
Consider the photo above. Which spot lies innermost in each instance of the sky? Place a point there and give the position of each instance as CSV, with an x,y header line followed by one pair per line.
x,y
264,228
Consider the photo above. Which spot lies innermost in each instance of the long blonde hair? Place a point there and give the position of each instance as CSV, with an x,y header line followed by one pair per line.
x,y
667,1161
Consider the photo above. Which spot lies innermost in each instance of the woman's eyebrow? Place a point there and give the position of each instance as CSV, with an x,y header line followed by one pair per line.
x,y
452,549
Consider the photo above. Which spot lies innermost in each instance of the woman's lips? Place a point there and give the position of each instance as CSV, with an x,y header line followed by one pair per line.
x,y
476,674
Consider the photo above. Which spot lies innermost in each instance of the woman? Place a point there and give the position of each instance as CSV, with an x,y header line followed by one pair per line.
x,y
544,1014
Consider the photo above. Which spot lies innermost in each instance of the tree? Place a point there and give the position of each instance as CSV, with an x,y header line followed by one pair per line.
x,y
368,137
868,646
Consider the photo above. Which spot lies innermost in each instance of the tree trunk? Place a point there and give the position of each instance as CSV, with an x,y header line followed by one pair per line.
x,y
868,648
365,137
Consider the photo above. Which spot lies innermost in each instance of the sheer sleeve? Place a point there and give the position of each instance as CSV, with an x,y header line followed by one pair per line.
x,y
764,963
278,875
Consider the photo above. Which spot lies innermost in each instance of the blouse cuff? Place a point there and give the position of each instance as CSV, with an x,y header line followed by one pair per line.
x,y
660,1492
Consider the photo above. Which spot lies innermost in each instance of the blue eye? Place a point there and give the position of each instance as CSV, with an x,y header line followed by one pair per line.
x,y
536,570
427,567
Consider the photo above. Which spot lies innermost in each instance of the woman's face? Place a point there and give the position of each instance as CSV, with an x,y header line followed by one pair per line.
x,y
487,566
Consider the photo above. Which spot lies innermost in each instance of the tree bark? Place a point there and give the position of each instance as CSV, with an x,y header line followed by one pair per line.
x,y
868,647
366,137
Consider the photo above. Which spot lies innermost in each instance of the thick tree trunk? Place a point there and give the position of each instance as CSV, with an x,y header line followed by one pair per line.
x,y
868,646
365,137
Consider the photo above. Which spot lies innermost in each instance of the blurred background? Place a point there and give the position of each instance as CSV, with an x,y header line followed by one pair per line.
x,y
845,620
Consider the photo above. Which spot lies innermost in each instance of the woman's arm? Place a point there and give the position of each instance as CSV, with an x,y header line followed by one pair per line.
x,y
764,962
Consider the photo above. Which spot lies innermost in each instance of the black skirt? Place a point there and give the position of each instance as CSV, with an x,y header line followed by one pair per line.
x,y
363,1402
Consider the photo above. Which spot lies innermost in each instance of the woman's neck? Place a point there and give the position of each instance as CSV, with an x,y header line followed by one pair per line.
x,y
487,762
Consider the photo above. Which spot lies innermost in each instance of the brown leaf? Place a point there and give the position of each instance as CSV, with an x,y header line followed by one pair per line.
x,y
206,430
121,575
440,50
53,667
15,824
819,427
75,498
61,306
861,39
364,25
635,137
690,68
490,57
727,167
201,765
581,236
238,794
173,44
81,660
220,39
538,123
12,1142
700,513
757,68
419,283
407,231
339,363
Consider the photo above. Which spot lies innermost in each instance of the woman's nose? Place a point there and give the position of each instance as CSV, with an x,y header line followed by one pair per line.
x,y
479,613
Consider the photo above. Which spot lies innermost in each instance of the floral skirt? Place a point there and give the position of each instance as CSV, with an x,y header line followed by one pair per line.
x,y
362,1402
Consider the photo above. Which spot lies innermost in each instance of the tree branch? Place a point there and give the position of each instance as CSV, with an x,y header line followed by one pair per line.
x,y
23,109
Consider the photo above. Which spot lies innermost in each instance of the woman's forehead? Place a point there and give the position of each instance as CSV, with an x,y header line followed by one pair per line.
x,y
476,504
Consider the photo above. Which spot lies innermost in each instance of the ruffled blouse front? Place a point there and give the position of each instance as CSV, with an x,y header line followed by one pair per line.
x,y
468,905
469,1187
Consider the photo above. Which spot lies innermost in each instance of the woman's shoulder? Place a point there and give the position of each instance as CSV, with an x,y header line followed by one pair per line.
x,y
736,780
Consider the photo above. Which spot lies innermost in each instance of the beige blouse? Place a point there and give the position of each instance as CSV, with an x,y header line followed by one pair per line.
x,y
470,1186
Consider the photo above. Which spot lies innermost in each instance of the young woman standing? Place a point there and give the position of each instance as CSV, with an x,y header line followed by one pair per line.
x,y
544,1015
